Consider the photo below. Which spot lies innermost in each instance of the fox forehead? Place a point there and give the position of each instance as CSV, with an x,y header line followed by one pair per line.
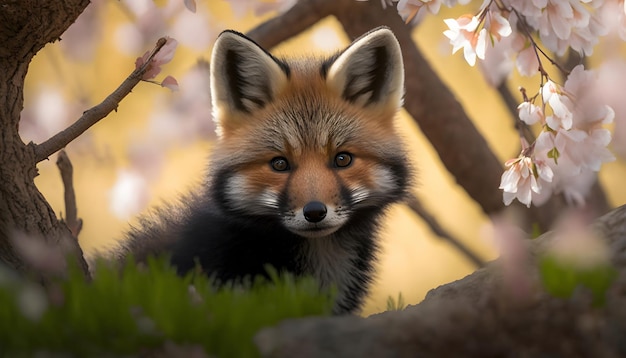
x,y
306,115
265,105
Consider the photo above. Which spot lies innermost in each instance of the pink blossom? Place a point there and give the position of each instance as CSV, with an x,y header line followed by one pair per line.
x,y
563,23
574,157
170,82
524,181
529,113
527,63
556,97
463,34
497,65
588,106
576,188
497,25
163,56
408,9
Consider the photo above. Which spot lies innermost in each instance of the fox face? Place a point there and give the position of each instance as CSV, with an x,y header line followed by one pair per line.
x,y
307,142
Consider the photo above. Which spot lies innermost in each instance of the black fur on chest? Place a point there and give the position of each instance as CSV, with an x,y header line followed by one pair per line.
x,y
234,247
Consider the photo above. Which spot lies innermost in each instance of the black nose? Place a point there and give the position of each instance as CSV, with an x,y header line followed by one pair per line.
x,y
314,211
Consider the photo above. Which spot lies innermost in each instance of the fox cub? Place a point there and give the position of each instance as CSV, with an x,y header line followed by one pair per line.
x,y
307,160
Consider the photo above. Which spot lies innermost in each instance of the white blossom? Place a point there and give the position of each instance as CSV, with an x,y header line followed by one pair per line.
x,y
529,113
462,34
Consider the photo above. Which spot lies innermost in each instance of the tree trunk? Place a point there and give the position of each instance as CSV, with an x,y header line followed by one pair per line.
x,y
25,27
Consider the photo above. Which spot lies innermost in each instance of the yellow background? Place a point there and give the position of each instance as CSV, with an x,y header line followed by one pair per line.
x,y
413,260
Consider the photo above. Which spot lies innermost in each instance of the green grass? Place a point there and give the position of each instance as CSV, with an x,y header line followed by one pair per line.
x,y
128,311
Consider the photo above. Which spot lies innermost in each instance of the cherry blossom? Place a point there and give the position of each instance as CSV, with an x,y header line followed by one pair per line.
x,y
529,113
562,24
498,64
497,26
588,106
409,9
163,56
462,34
556,97
470,32
527,63
170,82
525,178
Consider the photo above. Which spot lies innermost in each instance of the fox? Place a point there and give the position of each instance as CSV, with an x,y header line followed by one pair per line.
x,y
306,162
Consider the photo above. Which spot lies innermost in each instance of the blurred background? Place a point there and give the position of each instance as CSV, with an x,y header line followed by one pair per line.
x,y
155,146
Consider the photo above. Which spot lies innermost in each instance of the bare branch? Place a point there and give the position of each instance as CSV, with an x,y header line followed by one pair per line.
x,y
301,16
93,115
72,221
415,204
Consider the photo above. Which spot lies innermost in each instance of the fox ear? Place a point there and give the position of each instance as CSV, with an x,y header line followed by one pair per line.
x,y
244,76
369,71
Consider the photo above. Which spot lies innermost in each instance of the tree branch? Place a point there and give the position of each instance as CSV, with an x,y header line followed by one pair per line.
x,y
301,16
416,206
72,221
95,114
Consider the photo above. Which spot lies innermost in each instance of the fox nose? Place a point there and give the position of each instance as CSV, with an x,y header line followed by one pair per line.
x,y
314,211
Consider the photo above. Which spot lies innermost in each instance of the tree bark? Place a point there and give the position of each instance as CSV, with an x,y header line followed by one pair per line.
x,y
477,316
26,26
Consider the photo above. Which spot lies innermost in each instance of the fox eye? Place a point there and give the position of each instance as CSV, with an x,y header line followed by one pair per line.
x,y
279,164
343,160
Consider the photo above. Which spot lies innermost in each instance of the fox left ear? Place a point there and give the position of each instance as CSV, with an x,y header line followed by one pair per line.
x,y
244,77
370,71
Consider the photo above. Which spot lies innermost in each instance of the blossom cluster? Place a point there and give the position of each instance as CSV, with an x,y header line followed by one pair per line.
x,y
571,147
572,143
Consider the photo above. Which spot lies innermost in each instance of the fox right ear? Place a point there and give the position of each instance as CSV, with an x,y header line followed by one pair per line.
x,y
244,76
370,71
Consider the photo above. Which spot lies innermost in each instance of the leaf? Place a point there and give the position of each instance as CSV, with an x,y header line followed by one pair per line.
x,y
560,279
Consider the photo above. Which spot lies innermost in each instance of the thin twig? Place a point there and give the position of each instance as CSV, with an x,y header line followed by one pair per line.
x,y
416,206
73,222
95,114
